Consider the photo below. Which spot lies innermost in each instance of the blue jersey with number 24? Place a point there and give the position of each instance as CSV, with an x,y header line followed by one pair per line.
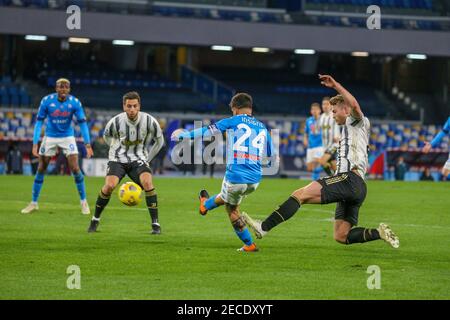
x,y
248,141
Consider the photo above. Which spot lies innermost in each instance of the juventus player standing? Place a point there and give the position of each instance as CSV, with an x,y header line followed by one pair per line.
x,y
347,187
330,137
129,135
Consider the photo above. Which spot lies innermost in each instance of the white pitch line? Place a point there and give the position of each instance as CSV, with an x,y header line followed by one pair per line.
x,y
72,206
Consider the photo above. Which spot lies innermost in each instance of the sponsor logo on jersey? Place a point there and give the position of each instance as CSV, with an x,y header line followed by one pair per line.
x,y
59,113
131,143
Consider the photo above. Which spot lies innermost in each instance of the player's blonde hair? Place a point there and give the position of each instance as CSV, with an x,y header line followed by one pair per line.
x,y
63,80
338,99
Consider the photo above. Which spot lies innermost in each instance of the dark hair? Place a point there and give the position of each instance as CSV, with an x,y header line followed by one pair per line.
x,y
241,100
131,95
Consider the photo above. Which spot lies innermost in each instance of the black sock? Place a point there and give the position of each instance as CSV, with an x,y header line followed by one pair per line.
x,y
102,201
360,235
152,204
283,213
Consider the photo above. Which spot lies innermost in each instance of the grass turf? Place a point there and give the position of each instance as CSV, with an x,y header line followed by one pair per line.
x,y
196,258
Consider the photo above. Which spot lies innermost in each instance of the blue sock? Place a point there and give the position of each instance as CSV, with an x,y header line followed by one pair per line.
x,y
245,236
79,180
316,173
210,203
37,186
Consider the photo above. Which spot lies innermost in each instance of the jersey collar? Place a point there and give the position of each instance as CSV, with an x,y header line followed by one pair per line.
x,y
133,122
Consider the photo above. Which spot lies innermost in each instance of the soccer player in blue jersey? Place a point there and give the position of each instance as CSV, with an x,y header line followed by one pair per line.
x,y
59,108
434,143
313,142
248,144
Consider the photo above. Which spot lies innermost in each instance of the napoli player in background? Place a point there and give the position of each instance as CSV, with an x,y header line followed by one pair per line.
x,y
313,142
248,146
59,108
435,142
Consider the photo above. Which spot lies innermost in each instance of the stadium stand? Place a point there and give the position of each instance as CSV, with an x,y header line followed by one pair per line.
x,y
402,14
103,89
12,94
287,92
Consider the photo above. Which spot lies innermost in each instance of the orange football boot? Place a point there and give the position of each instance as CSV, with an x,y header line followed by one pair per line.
x,y
250,248
203,196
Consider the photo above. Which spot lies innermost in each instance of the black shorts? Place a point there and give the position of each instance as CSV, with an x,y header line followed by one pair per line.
x,y
348,190
133,170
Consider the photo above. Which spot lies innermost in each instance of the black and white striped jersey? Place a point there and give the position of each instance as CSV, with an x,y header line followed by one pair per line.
x,y
330,130
130,141
352,151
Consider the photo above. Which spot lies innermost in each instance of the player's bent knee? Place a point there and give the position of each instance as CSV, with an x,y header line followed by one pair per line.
x,y
302,195
147,185
75,170
109,188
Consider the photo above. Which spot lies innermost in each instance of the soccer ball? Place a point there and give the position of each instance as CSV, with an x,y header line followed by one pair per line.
x,y
130,194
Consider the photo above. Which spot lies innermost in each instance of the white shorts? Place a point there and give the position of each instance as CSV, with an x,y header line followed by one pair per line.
x,y
313,154
48,147
234,193
447,164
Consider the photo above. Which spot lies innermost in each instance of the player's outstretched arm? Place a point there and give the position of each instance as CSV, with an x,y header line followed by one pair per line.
x,y
329,82
438,138
184,134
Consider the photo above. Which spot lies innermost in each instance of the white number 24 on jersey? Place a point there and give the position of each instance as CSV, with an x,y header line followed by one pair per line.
x,y
258,142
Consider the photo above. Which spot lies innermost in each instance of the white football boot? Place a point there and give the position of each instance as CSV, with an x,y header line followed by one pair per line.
x,y
32,206
85,207
388,235
255,225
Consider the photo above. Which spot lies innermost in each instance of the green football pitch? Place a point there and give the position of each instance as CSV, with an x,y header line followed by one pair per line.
x,y
196,257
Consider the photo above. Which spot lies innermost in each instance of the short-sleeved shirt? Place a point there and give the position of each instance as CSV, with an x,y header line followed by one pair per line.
x,y
353,146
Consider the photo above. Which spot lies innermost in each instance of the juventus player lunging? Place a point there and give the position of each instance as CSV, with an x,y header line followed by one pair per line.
x,y
347,187
129,135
